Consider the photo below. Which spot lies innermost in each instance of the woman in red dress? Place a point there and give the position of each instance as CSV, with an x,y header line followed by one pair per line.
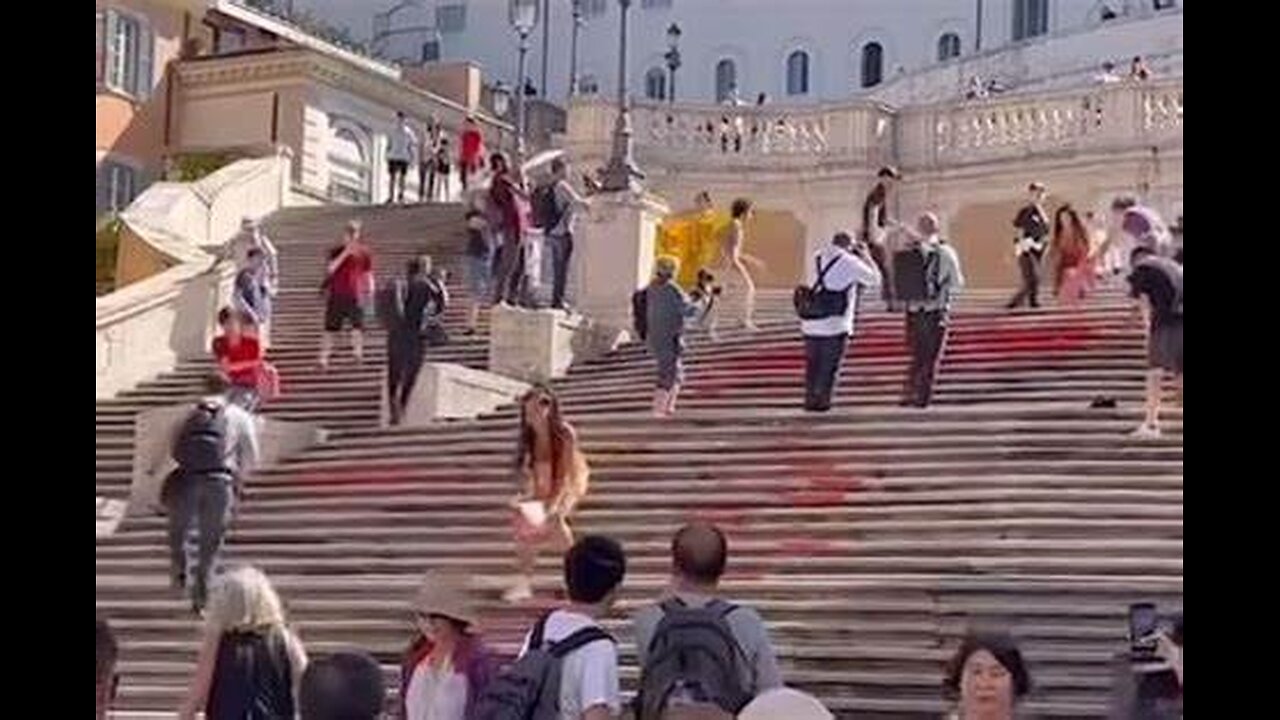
x,y
1070,250
239,357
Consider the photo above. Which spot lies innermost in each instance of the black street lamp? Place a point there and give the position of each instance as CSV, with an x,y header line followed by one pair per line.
x,y
573,48
673,59
524,16
621,173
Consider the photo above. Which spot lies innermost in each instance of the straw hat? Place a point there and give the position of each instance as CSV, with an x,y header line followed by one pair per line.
x,y
784,704
448,595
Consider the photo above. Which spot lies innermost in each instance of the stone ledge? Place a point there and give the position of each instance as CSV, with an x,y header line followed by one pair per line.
x,y
448,391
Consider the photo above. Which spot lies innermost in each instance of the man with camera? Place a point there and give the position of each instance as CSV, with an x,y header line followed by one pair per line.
x,y
827,313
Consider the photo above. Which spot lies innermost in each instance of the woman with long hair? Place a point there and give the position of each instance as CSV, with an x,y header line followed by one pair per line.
x,y
250,663
554,472
736,260
1069,250
446,665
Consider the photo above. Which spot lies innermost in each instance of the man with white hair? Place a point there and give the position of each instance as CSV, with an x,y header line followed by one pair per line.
x,y
252,237
927,273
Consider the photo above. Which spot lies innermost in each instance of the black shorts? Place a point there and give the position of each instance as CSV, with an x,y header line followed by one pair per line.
x,y
1164,348
339,309
397,166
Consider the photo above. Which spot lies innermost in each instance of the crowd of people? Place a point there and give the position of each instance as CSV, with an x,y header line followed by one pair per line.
x,y
429,150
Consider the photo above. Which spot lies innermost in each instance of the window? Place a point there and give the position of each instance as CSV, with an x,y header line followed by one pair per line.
x,y
117,186
1030,18
348,166
124,54
594,8
430,51
948,47
798,73
872,64
726,80
655,84
451,18
588,85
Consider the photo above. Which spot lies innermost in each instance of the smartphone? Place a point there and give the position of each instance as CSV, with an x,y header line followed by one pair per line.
x,y
1143,624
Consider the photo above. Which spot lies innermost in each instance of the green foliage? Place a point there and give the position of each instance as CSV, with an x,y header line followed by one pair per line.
x,y
194,166
108,242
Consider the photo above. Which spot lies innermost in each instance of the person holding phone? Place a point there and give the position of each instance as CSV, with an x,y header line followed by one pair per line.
x,y
554,471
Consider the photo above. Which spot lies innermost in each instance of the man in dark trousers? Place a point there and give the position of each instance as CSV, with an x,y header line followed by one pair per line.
x,y
1032,238
875,225
927,312
408,306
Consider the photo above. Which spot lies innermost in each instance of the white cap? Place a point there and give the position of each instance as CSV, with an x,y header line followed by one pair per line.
x,y
785,704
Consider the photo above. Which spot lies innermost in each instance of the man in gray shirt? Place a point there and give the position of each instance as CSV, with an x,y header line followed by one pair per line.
x,y
205,491
699,554
560,236
667,307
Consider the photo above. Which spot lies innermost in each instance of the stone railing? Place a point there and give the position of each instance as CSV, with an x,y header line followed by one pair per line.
x,y
167,313
1111,117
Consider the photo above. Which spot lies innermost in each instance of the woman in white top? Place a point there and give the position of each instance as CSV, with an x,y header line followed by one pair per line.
x,y
446,665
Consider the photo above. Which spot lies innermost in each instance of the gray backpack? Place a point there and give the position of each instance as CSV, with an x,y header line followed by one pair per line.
x,y
693,658
530,688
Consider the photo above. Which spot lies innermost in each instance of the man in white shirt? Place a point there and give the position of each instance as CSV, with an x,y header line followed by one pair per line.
x,y
838,270
593,572
402,142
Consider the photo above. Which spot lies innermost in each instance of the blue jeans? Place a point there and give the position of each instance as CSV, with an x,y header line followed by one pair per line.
x,y
206,499
561,247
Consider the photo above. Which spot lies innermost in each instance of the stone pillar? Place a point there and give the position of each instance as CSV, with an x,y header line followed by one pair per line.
x,y
531,345
450,391
614,254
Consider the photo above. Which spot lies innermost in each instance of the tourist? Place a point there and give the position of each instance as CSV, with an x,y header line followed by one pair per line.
x,y
977,89
410,307
555,473
249,663
927,302
666,308
402,141
1069,254
470,150
840,270
1032,223
507,204
216,448
249,238
442,170
239,357
728,675
593,571
342,686
987,677
479,254
348,285
876,221
732,256
1138,70
251,293
446,665
428,146
1175,233
1150,688
702,202
1137,226
560,236
1156,282
108,681
1108,74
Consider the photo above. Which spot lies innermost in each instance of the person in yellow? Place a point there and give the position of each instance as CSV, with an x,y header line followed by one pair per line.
x,y
694,238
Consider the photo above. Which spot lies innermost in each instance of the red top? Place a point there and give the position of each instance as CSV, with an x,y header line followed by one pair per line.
x,y
511,207
347,280
472,146
247,350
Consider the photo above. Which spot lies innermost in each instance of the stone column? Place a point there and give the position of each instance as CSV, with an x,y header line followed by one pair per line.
x,y
614,254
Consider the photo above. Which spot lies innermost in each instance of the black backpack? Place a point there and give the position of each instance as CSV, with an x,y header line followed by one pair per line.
x,y
201,446
916,274
693,656
815,302
640,312
546,211
530,688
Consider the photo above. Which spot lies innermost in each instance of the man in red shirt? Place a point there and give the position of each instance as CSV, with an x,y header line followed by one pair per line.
x,y
348,285
471,150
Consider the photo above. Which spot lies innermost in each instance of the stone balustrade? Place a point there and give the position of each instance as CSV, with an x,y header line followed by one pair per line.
x,y
168,314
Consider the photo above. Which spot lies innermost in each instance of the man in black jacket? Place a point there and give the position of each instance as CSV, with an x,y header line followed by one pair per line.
x,y
1032,223
411,306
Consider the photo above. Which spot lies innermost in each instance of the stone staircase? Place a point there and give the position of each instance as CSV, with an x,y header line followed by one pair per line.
x,y
870,538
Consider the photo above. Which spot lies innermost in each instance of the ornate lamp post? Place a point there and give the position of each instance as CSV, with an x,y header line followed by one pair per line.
x,y
501,97
524,16
621,173
573,48
673,59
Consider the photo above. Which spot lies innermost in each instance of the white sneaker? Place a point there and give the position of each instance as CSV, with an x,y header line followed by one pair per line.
x,y
1145,432
520,592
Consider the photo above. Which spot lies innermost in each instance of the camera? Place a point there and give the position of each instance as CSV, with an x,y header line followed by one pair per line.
x,y
705,286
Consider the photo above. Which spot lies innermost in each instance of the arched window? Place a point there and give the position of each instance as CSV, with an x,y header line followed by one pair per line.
x,y
655,84
1030,18
948,47
798,73
872,64
726,79
348,164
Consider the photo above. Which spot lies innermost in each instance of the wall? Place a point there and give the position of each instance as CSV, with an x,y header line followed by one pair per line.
x,y
458,82
145,328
